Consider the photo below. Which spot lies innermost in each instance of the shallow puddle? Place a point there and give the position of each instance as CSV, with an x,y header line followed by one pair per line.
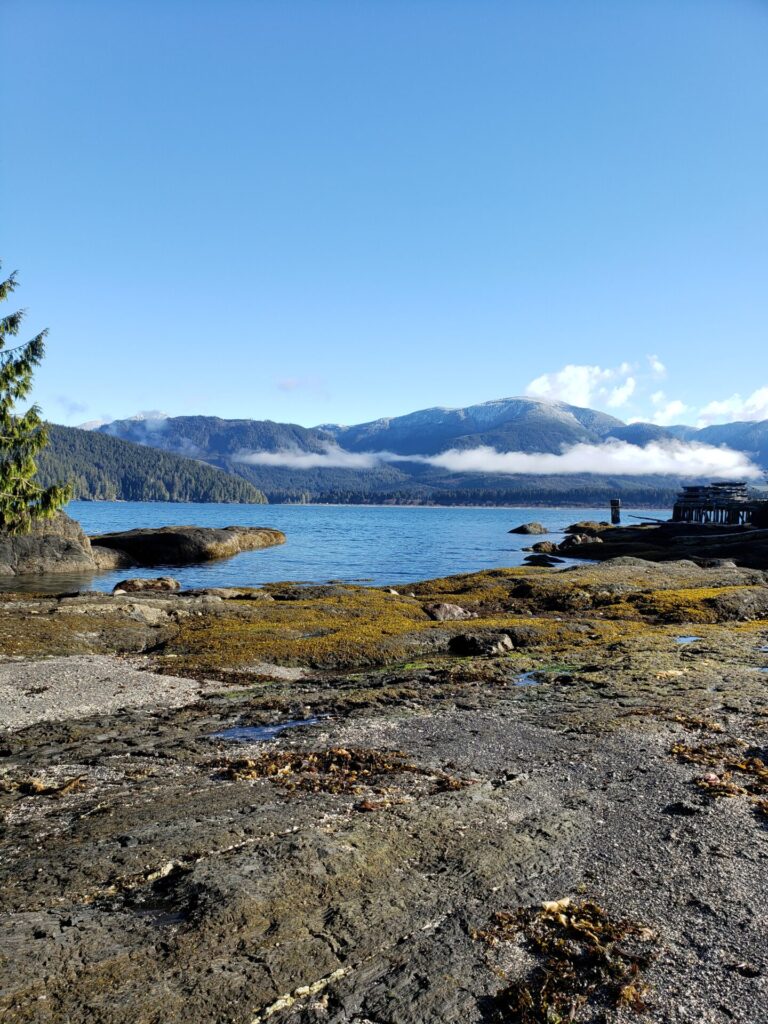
x,y
687,639
527,679
259,733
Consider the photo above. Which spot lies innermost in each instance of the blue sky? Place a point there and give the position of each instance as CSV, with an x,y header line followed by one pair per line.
x,y
332,211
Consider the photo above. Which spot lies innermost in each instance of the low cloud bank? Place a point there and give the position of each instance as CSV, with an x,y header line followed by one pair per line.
x,y
674,458
331,457
670,458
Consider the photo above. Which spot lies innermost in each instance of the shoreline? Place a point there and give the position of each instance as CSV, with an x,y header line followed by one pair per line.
x,y
151,870
367,504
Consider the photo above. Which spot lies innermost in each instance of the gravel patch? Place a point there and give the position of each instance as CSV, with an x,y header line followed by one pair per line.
x,y
57,689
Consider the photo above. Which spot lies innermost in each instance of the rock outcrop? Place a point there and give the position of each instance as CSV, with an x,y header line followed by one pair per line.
x,y
446,612
379,858
588,527
58,545
153,585
55,545
545,560
529,528
185,545
744,545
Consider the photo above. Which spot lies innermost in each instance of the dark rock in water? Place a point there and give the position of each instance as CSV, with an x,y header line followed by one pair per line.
x,y
162,584
744,545
545,547
186,545
545,560
535,528
55,545
577,540
481,644
107,559
589,527
448,612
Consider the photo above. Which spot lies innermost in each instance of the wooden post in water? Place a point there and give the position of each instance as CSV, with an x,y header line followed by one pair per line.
x,y
615,511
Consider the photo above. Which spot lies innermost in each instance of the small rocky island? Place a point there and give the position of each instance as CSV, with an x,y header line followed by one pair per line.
x,y
524,794
59,545
704,544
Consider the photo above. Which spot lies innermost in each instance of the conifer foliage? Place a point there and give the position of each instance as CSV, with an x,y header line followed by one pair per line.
x,y
22,436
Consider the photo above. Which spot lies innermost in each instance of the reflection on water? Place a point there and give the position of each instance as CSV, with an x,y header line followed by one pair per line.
x,y
380,544
259,733
60,583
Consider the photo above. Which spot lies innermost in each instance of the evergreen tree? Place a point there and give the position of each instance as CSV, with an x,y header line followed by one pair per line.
x,y
22,499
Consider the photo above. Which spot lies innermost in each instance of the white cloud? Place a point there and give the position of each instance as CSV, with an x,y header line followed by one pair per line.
x,y
610,387
622,394
667,412
754,407
332,457
576,385
587,385
673,458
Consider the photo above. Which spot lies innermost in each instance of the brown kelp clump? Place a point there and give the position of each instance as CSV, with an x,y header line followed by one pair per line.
x,y
735,776
336,770
585,959
39,787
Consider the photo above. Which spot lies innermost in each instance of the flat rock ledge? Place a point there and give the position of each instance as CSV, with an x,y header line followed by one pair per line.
x,y
179,545
58,545
705,545
333,808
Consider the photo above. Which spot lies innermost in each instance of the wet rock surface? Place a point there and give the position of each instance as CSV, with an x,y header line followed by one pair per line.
x,y
529,528
55,545
352,869
143,584
744,545
185,545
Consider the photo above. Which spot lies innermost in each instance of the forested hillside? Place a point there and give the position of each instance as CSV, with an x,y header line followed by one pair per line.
x,y
103,467
338,475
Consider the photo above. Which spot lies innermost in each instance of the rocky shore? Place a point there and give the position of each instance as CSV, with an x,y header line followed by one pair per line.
x,y
58,545
546,802
662,542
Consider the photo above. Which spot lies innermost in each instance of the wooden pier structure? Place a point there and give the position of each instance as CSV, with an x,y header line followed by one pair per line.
x,y
725,504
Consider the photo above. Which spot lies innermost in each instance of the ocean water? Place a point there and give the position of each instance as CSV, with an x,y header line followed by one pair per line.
x,y
368,544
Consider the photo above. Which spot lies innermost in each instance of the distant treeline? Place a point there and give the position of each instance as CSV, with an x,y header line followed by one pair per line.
x,y
388,485
586,496
100,467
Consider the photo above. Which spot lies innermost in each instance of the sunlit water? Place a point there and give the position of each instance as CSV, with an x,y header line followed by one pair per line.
x,y
367,544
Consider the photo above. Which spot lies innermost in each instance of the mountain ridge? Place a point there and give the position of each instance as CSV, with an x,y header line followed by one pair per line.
x,y
100,467
532,424
340,471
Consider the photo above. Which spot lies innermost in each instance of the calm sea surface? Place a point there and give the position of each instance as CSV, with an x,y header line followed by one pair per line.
x,y
370,544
